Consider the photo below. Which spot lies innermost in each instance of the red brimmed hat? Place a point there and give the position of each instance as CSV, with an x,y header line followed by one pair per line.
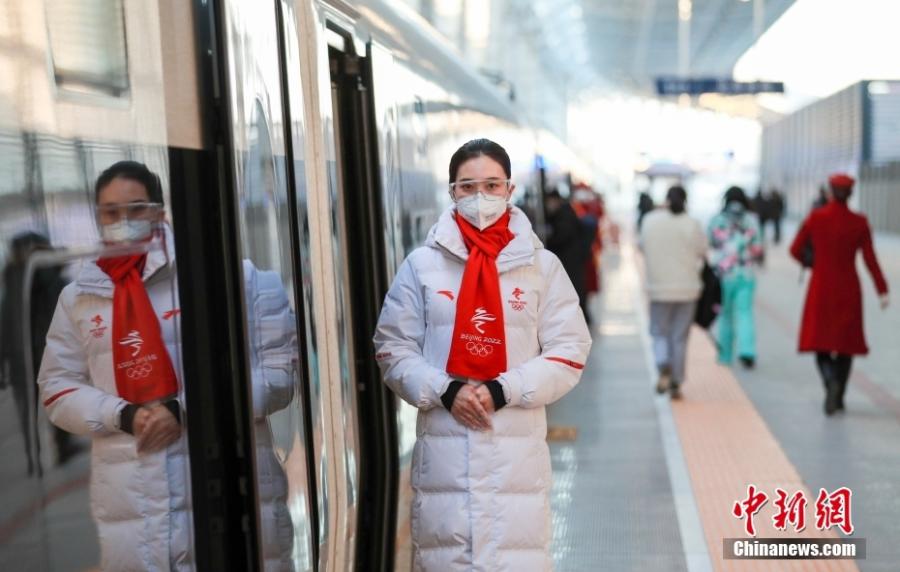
x,y
841,181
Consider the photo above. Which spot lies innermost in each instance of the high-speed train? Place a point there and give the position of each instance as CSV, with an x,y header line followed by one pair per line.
x,y
310,137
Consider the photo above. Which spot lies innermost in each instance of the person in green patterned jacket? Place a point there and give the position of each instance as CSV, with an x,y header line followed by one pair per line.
x,y
736,247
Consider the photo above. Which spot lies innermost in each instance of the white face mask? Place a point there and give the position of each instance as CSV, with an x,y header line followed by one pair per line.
x,y
481,210
583,196
735,208
126,230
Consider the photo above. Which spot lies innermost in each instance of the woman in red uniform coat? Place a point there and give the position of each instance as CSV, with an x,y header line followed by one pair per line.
x,y
832,316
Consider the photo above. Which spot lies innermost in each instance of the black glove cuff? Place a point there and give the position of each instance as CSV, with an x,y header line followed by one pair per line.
x,y
450,394
126,418
175,407
496,394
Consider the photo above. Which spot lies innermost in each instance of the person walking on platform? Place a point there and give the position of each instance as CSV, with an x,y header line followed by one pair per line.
x,y
480,330
832,326
570,240
777,206
674,248
588,206
821,199
736,246
644,207
761,205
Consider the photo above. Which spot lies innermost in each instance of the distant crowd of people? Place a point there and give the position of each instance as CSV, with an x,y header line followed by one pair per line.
x,y
575,236
685,264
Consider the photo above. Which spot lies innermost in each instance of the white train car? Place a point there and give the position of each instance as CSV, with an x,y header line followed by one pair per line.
x,y
309,137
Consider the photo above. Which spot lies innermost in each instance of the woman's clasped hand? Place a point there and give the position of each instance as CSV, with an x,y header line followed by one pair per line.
x,y
473,407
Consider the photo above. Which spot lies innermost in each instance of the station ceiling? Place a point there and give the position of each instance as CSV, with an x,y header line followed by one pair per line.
x,y
628,43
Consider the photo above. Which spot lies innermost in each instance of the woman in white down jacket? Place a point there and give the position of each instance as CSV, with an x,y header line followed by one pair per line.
x,y
139,466
480,330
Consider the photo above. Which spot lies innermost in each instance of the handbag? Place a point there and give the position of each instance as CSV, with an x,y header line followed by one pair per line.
x,y
710,302
806,254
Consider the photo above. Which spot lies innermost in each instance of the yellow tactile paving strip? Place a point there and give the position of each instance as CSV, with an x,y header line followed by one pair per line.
x,y
728,446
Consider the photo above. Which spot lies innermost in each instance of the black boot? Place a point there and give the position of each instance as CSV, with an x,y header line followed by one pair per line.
x,y
842,365
832,396
831,380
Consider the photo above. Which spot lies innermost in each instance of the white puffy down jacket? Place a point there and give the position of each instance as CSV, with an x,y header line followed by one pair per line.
x,y
141,503
481,499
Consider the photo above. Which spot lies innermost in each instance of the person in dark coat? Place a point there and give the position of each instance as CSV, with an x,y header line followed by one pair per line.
x,y
832,324
566,241
776,211
763,208
645,205
821,199
46,285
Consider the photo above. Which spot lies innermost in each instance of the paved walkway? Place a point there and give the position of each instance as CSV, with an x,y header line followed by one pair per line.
x,y
613,504
860,448
644,482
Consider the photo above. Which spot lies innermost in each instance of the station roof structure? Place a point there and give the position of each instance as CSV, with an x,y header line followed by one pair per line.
x,y
628,43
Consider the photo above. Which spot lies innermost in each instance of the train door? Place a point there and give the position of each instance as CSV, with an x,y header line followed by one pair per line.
x,y
267,144
364,266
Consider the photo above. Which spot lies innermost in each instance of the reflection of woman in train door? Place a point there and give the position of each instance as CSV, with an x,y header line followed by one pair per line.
x,y
108,373
480,330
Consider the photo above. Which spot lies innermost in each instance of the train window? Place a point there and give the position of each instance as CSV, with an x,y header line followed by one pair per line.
x,y
88,46
12,171
271,323
283,445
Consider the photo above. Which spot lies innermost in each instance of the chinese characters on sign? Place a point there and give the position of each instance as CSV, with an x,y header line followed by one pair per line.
x,y
724,85
831,509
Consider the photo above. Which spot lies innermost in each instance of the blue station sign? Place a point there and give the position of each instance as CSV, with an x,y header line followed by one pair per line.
x,y
725,86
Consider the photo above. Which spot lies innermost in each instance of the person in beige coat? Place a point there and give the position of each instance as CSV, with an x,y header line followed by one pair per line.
x,y
674,248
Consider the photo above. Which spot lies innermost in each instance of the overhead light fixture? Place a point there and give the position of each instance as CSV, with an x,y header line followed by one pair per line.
x,y
685,8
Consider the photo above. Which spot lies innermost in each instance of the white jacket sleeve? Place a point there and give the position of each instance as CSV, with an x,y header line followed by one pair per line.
x,y
565,342
274,338
399,338
71,402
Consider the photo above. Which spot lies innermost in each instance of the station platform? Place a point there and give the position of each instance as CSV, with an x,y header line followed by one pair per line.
x,y
642,482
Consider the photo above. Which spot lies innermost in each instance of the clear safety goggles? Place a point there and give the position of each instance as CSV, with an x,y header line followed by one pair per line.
x,y
490,187
110,213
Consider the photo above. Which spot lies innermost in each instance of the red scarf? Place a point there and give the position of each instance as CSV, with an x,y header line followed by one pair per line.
x,y
141,363
478,346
